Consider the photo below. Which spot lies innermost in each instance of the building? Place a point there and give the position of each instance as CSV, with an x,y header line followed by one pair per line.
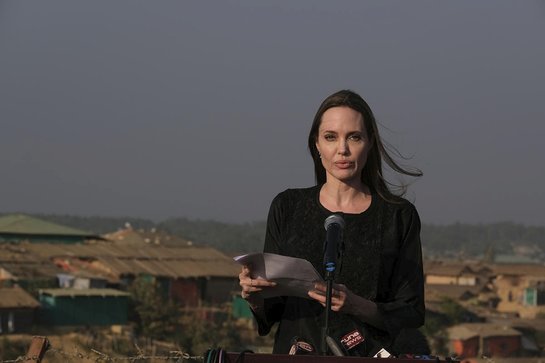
x,y
521,289
456,273
89,307
491,340
190,275
20,227
19,266
17,310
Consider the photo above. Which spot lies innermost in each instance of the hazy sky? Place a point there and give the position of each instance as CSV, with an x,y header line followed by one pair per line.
x,y
201,109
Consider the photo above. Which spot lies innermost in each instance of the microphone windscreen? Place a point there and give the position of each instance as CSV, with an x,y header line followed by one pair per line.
x,y
334,219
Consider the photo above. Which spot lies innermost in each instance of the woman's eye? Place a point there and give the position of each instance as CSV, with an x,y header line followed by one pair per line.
x,y
329,137
355,137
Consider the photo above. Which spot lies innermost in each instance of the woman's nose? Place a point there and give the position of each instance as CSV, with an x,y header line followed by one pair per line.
x,y
343,148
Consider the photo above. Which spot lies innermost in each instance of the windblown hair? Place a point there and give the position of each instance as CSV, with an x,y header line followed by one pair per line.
x,y
372,173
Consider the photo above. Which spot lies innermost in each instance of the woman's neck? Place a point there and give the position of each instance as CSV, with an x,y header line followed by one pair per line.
x,y
344,197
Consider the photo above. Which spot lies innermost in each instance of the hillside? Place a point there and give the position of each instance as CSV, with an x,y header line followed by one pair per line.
x,y
454,240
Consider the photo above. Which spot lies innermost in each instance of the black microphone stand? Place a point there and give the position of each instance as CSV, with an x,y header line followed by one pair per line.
x,y
334,225
329,277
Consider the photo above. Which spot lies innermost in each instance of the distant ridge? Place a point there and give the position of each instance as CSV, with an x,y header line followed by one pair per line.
x,y
457,240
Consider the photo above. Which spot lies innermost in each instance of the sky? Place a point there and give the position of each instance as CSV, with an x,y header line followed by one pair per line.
x,y
201,109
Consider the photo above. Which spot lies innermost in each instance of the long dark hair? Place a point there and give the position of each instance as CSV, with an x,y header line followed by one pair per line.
x,y
372,174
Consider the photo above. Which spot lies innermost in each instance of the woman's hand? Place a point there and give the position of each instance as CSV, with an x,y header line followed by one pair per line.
x,y
340,296
345,301
250,285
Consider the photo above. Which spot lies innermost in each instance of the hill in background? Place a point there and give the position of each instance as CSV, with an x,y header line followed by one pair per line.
x,y
454,241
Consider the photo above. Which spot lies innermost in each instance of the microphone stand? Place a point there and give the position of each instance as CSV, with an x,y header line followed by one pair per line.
x,y
329,277
334,225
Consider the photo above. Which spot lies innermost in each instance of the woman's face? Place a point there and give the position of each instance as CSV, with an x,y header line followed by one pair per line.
x,y
343,144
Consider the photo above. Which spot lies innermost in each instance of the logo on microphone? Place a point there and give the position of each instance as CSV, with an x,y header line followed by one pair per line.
x,y
352,339
300,347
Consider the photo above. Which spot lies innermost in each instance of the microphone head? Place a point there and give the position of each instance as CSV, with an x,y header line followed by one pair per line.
x,y
334,219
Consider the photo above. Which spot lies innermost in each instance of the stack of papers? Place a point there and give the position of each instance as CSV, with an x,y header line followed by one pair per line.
x,y
293,276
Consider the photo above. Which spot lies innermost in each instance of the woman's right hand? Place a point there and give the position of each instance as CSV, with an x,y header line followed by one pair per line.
x,y
251,286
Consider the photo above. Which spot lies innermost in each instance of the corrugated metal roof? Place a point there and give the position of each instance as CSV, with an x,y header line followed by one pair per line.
x,y
172,268
168,261
128,236
15,253
454,268
23,224
28,270
519,269
83,292
24,264
15,297
437,292
485,330
105,249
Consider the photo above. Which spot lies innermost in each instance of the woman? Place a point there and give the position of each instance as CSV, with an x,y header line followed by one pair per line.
x,y
379,290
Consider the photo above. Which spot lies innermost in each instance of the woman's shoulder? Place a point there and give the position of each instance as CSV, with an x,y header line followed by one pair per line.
x,y
297,193
399,205
294,198
290,203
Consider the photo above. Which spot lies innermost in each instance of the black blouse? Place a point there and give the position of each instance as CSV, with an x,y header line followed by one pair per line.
x,y
381,261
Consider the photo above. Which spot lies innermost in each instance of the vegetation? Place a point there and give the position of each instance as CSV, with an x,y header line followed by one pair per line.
x,y
243,238
448,313
454,240
155,317
465,240
11,348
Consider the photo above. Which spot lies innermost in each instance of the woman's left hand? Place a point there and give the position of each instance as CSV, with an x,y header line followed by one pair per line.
x,y
345,301
340,296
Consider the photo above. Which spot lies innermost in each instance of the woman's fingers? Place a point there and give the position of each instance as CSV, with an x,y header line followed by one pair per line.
x,y
250,285
338,297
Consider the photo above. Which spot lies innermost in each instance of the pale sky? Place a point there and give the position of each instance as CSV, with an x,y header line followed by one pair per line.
x,y
201,109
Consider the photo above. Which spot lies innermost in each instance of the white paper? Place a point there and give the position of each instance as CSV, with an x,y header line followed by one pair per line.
x,y
293,276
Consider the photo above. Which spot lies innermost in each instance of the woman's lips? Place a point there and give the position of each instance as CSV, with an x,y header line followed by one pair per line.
x,y
344,164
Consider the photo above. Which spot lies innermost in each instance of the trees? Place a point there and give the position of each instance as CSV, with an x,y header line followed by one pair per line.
x,y
155,316
448,313
158,318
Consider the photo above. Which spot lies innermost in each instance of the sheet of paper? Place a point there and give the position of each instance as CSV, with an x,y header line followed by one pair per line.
x,y
293,276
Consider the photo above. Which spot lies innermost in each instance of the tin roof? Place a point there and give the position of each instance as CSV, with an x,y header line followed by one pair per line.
x,y
23,264
158,260
456,292
128,236
23,224
172,268
469,330
82,292
455,268
27,271
15,297
518,269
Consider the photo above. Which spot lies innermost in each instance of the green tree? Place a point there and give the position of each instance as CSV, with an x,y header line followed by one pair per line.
x,y
155,316
197,334
11,349
435,328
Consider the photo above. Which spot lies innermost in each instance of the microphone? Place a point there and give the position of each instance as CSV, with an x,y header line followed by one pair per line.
x,y
333,346
301,347
334,225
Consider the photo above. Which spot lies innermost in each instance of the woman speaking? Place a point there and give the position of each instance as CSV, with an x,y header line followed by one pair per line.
x,y
379,289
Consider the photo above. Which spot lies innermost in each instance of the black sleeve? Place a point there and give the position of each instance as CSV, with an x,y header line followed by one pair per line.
x,y
275,224
405,308
273,307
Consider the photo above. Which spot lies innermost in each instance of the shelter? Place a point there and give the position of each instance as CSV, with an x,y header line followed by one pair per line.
x,y
83,307
17,310
20,227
